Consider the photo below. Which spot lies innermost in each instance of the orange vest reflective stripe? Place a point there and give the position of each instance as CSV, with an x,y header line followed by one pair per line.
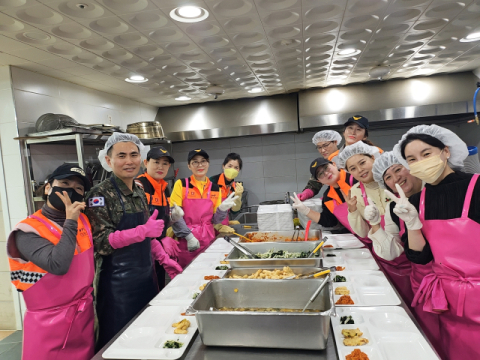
x,y
25,274
224,190
332,194
159,196
194,192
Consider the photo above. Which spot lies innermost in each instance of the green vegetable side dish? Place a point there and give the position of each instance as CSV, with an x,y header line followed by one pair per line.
x,y
344,320
222,267
340,278
172,344
283,254
331,255
195,295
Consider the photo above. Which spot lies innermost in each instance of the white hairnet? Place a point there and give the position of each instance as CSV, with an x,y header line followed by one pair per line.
x,y
356,149
458,148
121,137
382,164
327,135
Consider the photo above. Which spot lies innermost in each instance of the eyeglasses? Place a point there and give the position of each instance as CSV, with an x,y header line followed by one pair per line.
x,y
321,174
197,164
324,147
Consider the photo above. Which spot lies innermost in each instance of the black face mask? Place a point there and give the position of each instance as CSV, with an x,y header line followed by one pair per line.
x,y
57,203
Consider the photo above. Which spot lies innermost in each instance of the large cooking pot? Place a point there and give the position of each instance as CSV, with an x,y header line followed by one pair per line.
x,y
146,130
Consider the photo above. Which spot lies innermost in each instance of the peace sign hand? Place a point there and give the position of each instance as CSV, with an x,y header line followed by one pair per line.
x,y
405,210
72,211
351,201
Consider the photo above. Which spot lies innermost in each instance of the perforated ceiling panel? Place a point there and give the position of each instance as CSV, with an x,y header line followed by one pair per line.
x,y
277,45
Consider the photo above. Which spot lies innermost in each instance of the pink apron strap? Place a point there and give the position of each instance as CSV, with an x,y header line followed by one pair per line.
x,y
364,194
421,208
87,228
52,229
208,190
186,188
402,226
351,181
468,196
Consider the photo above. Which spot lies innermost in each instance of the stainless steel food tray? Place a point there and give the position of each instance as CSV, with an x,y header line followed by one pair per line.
x,y
281,236
267,329
235,262
248,271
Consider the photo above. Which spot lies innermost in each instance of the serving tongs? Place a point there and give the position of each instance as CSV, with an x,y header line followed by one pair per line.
x,y
315,294
313,274
296,232
316,249
240,248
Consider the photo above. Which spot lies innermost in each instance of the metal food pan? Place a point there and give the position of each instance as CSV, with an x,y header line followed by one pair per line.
x,y
235,262
281,236
264,329
249,271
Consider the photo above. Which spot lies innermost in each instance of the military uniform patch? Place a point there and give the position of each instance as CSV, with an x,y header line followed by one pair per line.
x,y
96,201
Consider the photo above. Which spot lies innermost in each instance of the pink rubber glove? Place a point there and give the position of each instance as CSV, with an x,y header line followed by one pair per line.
x,y
306,194
171,247
152,228
171,266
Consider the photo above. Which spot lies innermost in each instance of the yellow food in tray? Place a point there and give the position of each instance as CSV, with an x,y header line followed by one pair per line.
x,y
353,337
342,290
350,333
181,327
203,286
267,274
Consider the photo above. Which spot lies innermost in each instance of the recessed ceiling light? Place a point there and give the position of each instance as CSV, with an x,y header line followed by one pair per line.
x,y
471,37
189,14
183,98
348,52
255,90
136,79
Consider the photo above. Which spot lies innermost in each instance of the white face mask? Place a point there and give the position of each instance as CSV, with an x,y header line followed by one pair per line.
x,y
429,169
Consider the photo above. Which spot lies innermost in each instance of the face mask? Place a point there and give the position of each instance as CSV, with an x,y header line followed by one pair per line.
x,y
57,203
230,173
429,169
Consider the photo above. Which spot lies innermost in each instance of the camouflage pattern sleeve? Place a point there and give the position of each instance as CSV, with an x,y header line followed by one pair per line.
x,y
315,186
100,219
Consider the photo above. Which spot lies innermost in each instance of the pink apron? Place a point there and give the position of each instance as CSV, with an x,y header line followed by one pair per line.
x,y
198,217
453,289
58,322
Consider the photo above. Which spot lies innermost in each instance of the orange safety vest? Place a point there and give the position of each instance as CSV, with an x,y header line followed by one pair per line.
x,y
194,192
332,194
161,196
25,274
224,190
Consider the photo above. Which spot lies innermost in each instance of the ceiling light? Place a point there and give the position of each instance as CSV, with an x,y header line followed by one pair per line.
x,y
136,79
471,37
378,72
255,90
189,14
348,52
183,98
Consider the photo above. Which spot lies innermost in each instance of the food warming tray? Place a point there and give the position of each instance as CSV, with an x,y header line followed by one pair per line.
x,y
249,271
264,329
367,288
145,337
281,236
391,333
351,260
235,262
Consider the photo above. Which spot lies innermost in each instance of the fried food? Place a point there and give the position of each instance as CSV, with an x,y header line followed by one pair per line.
x,y
345,300
202,287
342,290
211,277
350,333
181,327
357,354
267,274
224,262
355,341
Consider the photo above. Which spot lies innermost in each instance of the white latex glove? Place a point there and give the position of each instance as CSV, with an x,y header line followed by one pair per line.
x,y
405,210
238,189
298,205
372,214
192,242
177,213
228,203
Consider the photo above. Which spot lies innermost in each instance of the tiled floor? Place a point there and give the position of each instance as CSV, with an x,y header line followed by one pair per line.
x,y
11,346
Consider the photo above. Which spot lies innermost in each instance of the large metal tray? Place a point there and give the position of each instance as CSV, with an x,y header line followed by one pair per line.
x,y
297,270
268,329
281,236
235,262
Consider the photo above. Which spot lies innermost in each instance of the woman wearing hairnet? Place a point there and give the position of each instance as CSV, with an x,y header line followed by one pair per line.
x,y
122,230
358,160
443,227
327,142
